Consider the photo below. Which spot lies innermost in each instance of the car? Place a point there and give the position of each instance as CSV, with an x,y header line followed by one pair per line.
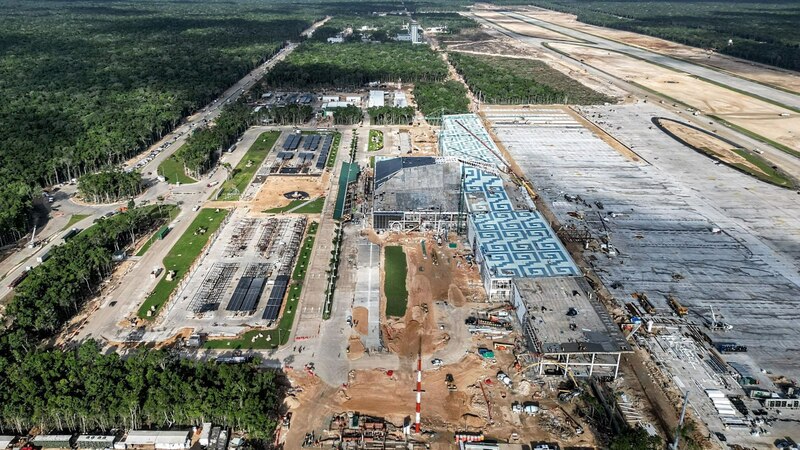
x,y
114,303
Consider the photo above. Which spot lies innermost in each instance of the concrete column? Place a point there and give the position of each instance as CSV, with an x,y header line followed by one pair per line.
x,y
616,369
591,366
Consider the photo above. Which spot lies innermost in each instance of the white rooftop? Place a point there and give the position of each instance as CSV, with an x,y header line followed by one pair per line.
x,y
148,437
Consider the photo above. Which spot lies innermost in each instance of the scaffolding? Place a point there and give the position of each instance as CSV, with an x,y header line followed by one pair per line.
x,y
214,285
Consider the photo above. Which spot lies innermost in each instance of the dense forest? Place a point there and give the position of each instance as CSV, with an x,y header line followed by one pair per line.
x,y
85,390
348,115
287,115
86,85
110,186
353,65
764,32
435,99
56,289
511,80
389,115
202,148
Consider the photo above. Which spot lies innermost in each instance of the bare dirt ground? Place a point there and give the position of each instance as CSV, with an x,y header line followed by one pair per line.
x,y
752,114
271,193
478,403
426,283
524,28
757,72
721,149
361,320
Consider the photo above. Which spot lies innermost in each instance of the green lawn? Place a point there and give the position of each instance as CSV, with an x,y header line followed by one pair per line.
x,y
394,284
334,150
173,171
281,209
375,140
372,162
75,218
312,207
248,166
769,174
173,214
280,335
181,256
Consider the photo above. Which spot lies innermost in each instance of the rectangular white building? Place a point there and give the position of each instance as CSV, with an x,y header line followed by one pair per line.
x,y
376,99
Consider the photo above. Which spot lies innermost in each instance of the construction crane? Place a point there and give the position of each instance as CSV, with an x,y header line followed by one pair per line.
x,y
486,399
517,177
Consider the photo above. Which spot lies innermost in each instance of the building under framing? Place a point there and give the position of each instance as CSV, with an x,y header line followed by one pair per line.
x,y
418,193
566,328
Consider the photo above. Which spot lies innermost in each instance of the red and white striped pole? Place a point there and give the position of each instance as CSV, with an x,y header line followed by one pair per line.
x,y
419,392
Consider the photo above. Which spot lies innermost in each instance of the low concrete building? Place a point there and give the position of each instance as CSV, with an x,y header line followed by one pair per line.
x,y
161,440
53,441
92,441
6,441
566,328
376,99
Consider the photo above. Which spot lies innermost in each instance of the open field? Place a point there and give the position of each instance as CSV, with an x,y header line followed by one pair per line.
x,y
248,166
173,171
270,197
181,257
394,286
73,219
524,28
721,150
769,75
311,207
760,117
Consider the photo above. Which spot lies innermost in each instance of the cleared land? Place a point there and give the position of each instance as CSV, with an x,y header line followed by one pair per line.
x,y
723,151
763,74
525,28
764,119
248,166
173,171
271,194
394,285
181,257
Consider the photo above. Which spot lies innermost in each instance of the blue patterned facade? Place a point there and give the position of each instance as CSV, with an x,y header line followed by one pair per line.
x,y
463,136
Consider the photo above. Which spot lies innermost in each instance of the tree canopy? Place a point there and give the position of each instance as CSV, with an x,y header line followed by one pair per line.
x,y
512,80
86,85
317,64
435,99
110,186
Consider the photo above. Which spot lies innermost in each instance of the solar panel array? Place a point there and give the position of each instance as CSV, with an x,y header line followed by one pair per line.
x,y
306,155
312,142
276,298
323,154
285,155
246,295
292,142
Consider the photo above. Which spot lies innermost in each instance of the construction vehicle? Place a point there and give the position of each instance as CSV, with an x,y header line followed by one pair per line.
x,y
527,408
578,428
503,378
717,325
676,306
450,382
641,297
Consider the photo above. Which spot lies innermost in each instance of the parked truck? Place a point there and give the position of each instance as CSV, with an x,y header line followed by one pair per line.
x,y
44,256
